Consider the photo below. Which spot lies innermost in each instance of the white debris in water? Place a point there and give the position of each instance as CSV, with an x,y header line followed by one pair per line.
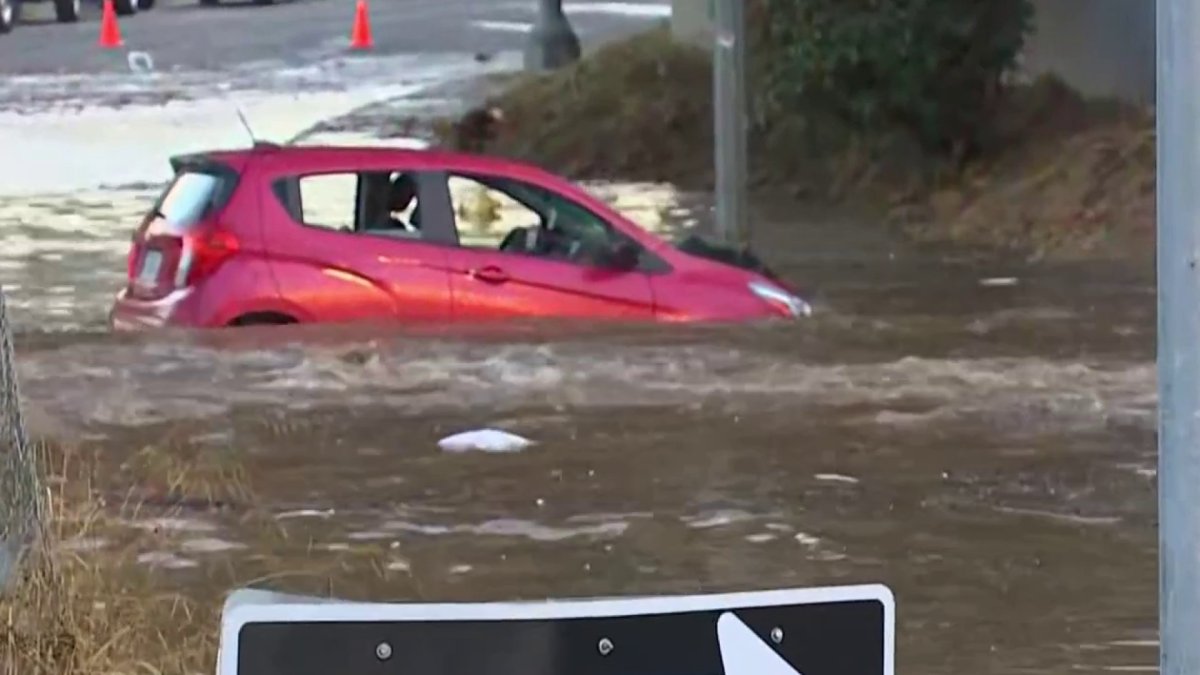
x,y
484,440
512,527
399,566
807,539
369,535
1135,643
761,538
305,513
174,525
998,282
165,560
84,544
210,545
1071,518
836,478
718,519
140,63
461,569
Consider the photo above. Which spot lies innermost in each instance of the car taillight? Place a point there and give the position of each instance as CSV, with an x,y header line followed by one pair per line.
x,y
161,263
204,253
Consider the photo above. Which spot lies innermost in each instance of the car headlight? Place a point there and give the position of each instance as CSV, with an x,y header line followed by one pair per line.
x,y
774,295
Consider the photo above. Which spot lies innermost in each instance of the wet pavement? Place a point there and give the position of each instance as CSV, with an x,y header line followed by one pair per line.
x,y
181,34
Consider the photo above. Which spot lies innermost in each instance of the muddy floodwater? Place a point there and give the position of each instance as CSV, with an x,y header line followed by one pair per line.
x,y
978,434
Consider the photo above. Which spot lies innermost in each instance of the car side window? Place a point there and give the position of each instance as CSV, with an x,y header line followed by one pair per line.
x,y
378,203
329,200
484,215
520,218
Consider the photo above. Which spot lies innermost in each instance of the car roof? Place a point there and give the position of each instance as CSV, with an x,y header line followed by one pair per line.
x,y
347,153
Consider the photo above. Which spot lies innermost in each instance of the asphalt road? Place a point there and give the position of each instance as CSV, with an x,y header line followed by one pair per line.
x,y
181,34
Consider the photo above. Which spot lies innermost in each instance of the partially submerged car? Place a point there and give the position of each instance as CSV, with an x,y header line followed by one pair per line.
x,y
278,235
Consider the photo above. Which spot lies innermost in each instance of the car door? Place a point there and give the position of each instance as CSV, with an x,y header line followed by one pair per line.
x,y
488,283
329,261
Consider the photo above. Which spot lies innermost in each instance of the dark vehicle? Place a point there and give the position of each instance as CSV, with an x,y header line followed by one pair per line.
x,y
65,11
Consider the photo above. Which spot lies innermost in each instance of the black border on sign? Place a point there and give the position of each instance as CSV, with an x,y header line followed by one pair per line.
x,y
827,631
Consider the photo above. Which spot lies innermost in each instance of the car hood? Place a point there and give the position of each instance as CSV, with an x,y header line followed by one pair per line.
x,y
744,259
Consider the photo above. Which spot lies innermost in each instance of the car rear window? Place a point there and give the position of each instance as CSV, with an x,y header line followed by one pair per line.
x,y
192,196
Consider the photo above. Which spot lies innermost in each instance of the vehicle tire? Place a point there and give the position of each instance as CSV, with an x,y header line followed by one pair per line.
x,y
66,11
8,15
262,319
125,7
144,5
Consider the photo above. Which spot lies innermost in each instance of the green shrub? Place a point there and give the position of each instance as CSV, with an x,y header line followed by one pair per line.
x,y
929,68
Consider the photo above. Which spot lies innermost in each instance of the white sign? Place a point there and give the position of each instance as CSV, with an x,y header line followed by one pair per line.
x,y
811,631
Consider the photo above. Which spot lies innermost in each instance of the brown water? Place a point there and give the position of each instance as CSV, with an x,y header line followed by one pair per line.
x,y
986,450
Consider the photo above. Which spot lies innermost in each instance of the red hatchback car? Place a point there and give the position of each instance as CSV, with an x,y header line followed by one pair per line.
x,y
275,235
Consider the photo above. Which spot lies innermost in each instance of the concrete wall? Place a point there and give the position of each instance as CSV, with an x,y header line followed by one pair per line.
x,y
1101,47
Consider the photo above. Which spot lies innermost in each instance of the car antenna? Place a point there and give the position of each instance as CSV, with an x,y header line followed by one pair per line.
x,y
246,125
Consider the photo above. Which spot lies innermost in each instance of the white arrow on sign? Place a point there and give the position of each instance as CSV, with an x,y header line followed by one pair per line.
x,y
743,653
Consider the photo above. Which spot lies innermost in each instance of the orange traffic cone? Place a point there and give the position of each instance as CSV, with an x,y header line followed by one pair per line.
x,y
360,34
110,33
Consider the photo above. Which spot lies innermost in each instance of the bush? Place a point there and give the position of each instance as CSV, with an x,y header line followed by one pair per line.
x,y
930,68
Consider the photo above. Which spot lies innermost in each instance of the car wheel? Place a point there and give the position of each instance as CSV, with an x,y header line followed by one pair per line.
x,y
262,319
8,15
143,5
66,11
125,7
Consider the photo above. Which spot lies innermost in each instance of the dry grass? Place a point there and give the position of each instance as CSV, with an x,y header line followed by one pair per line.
x,y
1078,180
638,109
90,610
98,612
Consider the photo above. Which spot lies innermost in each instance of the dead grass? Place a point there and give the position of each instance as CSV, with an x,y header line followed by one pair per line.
x,y
86,612
638,109
98,610
1078,180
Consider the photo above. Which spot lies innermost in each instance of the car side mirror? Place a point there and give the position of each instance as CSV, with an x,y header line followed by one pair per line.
x,y
623,256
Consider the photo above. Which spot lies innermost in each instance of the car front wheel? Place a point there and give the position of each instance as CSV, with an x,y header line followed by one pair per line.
x,y
125,7
66,11
8,16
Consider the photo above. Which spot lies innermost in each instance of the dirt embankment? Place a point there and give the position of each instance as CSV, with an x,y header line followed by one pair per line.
x,y
1066,177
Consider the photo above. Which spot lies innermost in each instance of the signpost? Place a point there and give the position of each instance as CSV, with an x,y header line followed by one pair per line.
x,y
1179,335
812,631
729,114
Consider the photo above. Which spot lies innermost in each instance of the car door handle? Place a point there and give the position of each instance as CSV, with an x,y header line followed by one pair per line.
x,y
490,274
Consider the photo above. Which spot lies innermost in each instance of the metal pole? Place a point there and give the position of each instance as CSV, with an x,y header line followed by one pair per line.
x,y
1178,112
21,509
729,114
552,42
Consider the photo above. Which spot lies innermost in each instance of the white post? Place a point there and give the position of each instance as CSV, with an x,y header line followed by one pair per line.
x,y
729,113
1178,113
